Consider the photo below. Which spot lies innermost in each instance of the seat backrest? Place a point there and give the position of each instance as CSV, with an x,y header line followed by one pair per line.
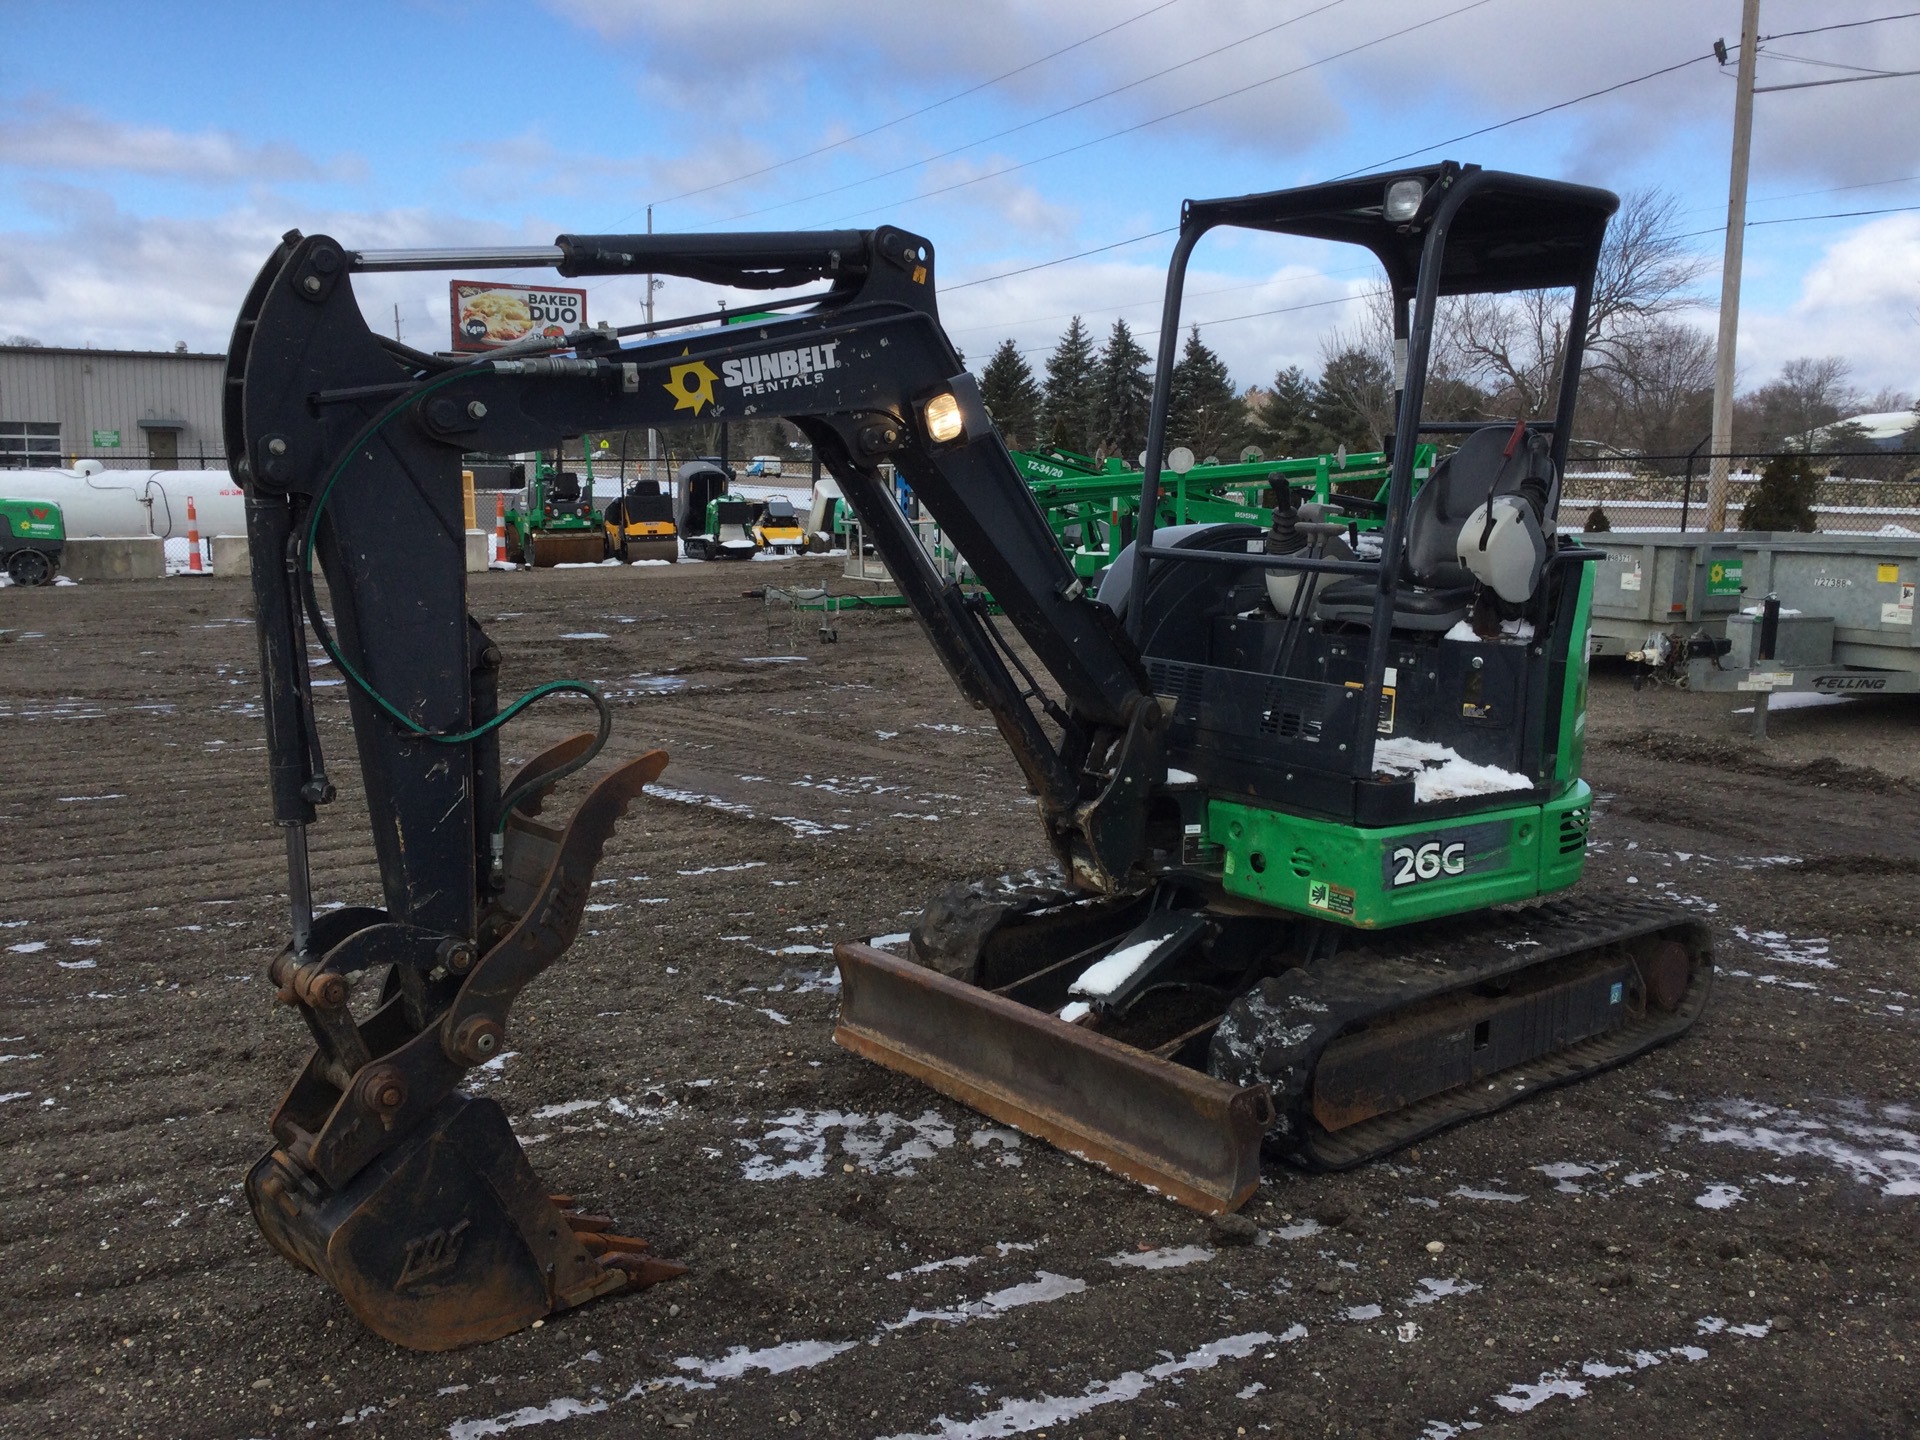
x,y
1460,484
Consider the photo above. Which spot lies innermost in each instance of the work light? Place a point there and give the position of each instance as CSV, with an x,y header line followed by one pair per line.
x,y
1403,199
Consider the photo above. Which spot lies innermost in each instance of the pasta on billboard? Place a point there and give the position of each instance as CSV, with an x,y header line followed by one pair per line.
x,y
487,315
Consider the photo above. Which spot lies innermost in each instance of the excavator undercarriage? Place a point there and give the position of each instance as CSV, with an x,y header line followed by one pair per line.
x,y
1322,1048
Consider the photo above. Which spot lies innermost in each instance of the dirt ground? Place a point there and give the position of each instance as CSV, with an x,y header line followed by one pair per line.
x,y
1718,1240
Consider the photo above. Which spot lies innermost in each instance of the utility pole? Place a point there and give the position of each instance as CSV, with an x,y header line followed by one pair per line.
x,y
653,435
1730,265
396,320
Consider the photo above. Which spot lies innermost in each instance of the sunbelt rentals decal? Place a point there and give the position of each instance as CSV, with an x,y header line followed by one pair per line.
x,y
691,382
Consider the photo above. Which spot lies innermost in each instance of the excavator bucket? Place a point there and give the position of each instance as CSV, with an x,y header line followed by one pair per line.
x,y
448,1239
410,1197
1172,1129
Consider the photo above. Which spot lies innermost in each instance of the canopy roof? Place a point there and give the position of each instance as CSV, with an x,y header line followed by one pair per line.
x,y
1503,231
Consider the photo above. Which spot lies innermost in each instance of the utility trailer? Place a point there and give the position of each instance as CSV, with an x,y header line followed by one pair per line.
x,y
1824,615
1842,621
1701,583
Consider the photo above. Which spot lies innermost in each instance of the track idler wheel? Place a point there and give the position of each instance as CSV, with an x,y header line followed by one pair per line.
x,y
448,1239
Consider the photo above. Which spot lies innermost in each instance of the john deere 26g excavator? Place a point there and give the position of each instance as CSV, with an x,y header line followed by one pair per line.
x,y
1300,792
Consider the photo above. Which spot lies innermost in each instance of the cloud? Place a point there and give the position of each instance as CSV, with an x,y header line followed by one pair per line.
x,y
1860,301
46,134
1480,66
95,274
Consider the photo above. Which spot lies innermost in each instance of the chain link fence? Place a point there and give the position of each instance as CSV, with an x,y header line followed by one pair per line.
x,y
1871,492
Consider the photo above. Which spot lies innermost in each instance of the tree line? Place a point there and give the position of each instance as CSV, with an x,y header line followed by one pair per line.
x,y
1646,383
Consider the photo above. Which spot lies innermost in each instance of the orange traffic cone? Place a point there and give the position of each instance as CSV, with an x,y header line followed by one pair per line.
x,y
194,565
499,529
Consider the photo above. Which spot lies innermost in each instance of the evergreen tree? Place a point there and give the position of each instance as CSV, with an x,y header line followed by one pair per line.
x,y
1012,396
1067,408
1353,399
1783,500
1284,421
1205,413
1123,393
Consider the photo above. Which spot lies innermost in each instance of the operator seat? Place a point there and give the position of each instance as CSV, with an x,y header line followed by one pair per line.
x,y
563,496
1436,589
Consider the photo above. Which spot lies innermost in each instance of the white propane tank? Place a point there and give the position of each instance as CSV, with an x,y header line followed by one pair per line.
x,y
95,501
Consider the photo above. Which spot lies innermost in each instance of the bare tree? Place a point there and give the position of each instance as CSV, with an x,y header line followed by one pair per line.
x,y
1656,394
1808,393
1514,345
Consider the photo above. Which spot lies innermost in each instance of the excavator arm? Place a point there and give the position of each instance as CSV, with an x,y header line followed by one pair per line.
x,y
410,1196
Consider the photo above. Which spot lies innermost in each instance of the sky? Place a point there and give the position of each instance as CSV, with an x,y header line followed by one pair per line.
x,y
151,153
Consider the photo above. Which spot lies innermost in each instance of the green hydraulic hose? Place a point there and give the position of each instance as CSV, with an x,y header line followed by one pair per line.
x,y
361,683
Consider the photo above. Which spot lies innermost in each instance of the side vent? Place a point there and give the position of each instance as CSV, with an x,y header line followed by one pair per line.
x,y
1573,831
1183,682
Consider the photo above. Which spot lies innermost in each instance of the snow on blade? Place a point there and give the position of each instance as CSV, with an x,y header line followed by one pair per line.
x,y
1440,772
1103,977
1018,1417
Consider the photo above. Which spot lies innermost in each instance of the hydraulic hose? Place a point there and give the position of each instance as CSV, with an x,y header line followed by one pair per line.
x,y
399,717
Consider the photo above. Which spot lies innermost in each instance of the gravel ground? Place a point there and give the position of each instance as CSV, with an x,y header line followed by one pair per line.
x,y
1718,1240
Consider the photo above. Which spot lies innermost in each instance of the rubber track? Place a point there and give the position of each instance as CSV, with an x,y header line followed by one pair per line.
x,y
1361,985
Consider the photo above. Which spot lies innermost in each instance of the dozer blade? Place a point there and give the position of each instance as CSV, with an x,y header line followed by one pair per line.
x,y
448,1239
567,547
1172,1129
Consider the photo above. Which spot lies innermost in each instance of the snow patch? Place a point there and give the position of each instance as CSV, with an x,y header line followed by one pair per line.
x,y
1044,1412
1868,1148
1467,1192
1103,977
799,1144
1167,1257
1441,773
565,1408
774,1359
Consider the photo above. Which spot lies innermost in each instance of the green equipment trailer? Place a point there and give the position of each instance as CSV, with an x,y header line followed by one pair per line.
x,y
1093,507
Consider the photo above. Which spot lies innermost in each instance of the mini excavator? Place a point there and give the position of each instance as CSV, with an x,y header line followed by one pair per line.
x,y
1308,790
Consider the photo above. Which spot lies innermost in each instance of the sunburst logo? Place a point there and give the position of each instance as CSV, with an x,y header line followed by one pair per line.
x,y
691,385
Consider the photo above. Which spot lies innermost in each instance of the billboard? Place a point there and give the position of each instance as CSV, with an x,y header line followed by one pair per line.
x,y
487,314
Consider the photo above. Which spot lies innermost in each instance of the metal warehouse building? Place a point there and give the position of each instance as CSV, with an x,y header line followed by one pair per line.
x,y
152,408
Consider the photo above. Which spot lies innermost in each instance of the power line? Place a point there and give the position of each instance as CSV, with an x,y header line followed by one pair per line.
x,y
1843,25
1803,194
1530,115
1005,325
1230,319
1060,260
1172,114
912,114
1798,219
1037,120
